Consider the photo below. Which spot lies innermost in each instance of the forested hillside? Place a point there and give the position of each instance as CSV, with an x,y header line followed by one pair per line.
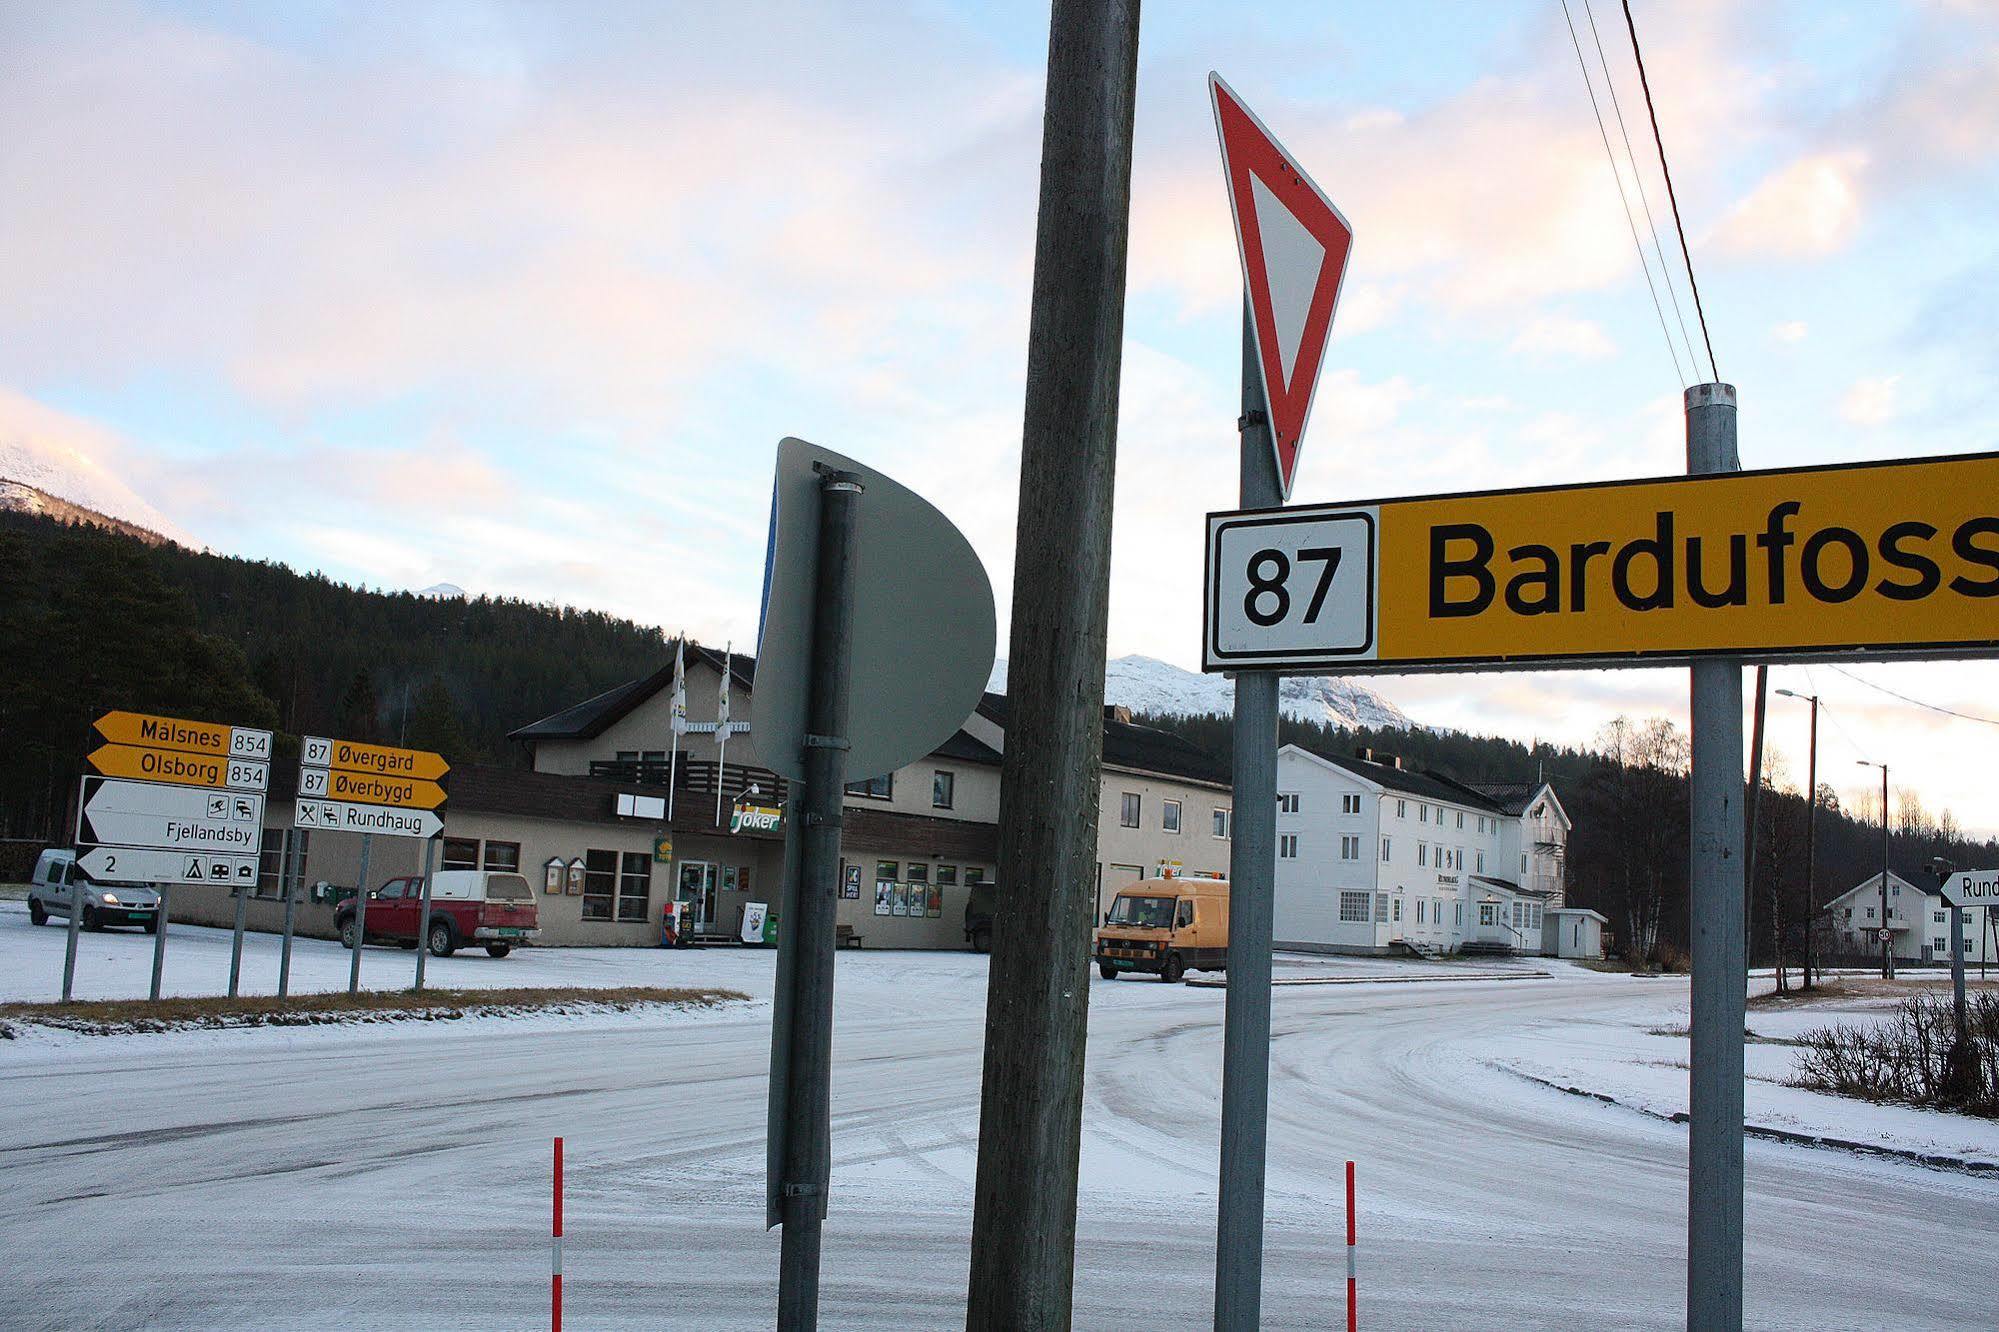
x,y
92,620
1628,797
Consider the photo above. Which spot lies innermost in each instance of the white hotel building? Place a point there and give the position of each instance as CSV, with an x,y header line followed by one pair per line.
x,y
1372,857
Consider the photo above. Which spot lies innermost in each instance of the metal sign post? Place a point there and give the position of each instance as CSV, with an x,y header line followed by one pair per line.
x,y
159,946
360,916
74,874
242,894
1252,877
295,863
423,917
1715,910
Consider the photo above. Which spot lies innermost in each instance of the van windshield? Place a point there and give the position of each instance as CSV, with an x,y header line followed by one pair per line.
x,y
1152,913
508,887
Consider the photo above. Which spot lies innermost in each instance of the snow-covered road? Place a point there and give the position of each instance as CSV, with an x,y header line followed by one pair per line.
x,y
369,1177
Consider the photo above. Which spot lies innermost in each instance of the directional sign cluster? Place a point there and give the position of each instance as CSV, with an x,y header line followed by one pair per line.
x,y
347,786
174,801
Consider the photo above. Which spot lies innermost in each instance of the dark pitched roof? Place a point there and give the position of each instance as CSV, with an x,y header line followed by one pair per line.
x,y
1142,748
1542,893
969,748
1512,797
1428,785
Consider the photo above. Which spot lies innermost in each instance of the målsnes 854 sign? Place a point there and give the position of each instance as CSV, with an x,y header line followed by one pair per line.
x,y
1869,560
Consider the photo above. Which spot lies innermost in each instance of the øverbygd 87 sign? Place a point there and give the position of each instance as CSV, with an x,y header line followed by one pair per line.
x,y
1873,559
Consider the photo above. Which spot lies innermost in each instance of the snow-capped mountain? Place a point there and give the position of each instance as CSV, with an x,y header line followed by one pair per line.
x,y
20,497
1146,684
442,592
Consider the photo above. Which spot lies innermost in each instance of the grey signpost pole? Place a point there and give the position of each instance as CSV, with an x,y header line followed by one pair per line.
x,y
423,917
74,874
242,891
295,854
1252,870
808,1147
360,916
1720,980
160,943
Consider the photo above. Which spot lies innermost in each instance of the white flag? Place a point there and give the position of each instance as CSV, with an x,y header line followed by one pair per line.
x,y
679,704
722,709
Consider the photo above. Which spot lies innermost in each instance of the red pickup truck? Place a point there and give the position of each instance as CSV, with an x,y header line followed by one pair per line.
x,y
488,907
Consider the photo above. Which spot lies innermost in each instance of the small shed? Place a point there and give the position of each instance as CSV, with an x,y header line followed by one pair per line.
x,y
1573,932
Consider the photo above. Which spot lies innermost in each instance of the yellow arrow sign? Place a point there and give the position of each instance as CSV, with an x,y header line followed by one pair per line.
x,y
367,789
182,769
193,737
382,760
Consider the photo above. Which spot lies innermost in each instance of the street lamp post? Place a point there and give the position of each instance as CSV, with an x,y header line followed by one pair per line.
x,y
1887,934
1811,835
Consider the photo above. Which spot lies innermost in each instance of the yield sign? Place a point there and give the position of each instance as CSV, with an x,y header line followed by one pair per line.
x,y
1294,246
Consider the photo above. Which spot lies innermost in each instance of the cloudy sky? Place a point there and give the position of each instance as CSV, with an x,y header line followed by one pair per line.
x,y
521,297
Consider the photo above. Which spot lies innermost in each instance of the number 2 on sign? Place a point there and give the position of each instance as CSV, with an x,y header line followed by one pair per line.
x,y
1275,585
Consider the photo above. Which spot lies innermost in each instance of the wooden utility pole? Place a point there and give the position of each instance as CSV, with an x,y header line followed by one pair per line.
x,y
1030,1120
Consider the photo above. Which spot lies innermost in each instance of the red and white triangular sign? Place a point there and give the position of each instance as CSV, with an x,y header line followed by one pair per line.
x,y
1294,247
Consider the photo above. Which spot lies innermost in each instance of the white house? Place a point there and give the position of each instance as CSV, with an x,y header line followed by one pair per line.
x,y
1918,922
1372,856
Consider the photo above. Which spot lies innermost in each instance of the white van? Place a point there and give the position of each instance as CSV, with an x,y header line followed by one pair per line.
x,y
55,884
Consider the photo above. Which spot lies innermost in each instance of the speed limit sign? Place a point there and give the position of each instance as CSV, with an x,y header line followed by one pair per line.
x,y
1289,586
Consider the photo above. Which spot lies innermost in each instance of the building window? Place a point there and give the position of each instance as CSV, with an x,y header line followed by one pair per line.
x,y
887,871
635,886
1402,809
1461,818
973,874
1938,917
942,788
505,856
1169,815
1870,913
1349,848
1287,802
1485,913
1458,914
875,788
1419,911
1350,804
1398,908
1221,824
1353,907
1422,853
1894,890
1523,864
1384,849
1128,808
1381,907
461,853
600,884
918,873
1479,861
1422,813
1287,847
947,876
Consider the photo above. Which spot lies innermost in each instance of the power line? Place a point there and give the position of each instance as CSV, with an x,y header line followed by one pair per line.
x,y
1933,707
1618,177
1638,179
1671,196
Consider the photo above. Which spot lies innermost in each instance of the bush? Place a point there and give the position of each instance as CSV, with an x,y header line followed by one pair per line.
x,y
1911,1059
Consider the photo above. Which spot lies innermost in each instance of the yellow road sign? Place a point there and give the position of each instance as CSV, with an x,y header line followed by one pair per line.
x,y
193,737
363,788
383,760
180,768
1864,561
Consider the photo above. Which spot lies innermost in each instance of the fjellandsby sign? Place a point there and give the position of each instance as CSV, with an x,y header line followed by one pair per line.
x,y
1896,559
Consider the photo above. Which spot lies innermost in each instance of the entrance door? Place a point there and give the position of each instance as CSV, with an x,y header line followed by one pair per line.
x,y
697,891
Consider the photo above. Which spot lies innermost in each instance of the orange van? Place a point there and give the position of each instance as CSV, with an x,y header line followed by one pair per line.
x,y
1165,926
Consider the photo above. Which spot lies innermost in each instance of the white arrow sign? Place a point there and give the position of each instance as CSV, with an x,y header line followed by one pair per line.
x,y
190,818
342,816
1972,888
117,864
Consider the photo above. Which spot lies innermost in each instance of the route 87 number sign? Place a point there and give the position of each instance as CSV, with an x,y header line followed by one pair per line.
x,y
1289,586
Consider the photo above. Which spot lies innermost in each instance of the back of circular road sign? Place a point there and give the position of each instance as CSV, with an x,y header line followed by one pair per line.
x,y
923,625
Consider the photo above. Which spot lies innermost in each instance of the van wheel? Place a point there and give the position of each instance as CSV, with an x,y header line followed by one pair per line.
x,y
90,921
1172,969
982,939
347,936
37,913
441,942
1108,970
498,950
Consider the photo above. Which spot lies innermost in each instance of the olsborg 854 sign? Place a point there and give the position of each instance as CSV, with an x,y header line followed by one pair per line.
x,y
1868,560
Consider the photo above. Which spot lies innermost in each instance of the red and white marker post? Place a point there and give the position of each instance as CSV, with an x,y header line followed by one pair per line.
x,y
1353,1272
555,1251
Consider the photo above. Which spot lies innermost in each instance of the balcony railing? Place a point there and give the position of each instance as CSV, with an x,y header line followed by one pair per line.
x,y
694,777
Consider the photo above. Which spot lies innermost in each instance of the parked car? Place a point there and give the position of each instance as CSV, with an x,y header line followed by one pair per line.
x,y
57,880
1167,926
979,917
490,907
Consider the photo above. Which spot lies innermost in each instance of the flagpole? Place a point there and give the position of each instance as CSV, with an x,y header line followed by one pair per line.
x,y
722,725
676,713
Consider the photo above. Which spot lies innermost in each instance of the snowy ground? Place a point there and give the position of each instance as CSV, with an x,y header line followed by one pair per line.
x,y
397,1177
